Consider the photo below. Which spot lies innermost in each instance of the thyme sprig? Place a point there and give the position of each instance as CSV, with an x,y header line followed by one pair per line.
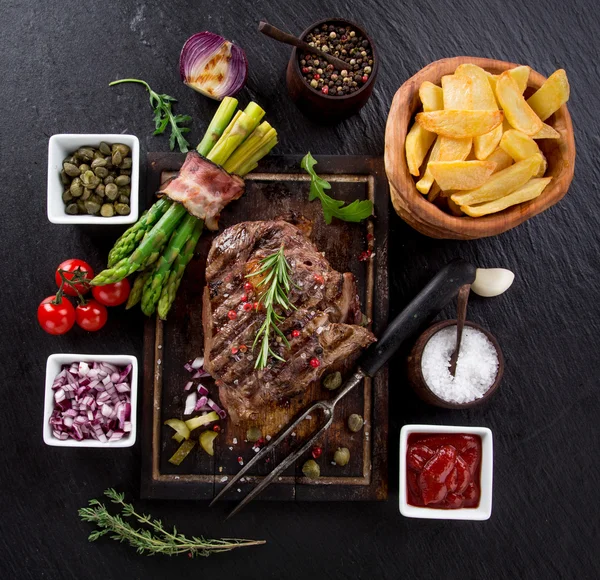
x,y
153,539
276,280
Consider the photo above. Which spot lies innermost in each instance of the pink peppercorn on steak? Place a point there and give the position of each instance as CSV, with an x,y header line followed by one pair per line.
x,y
322,327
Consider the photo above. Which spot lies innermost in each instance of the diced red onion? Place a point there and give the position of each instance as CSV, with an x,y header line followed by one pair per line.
x,y
188,385
188,367
198,362
190,403
200,374
89,404
217,409
201,403
202,390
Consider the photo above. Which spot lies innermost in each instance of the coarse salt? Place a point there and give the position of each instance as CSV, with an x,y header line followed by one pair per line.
x,y
476,366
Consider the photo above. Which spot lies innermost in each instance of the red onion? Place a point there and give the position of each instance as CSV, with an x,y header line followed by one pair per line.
x,y
212,65
190,403
217,409
89,405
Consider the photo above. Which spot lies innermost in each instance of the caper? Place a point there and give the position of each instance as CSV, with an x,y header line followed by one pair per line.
x,y
355,423
109,179
64,178
84,167
91,179
71,170
98,162
92,208
109,162
121,148
125,190
123,198
111,191
342,456
113,173
72,209
81,206
66,196
117,157
253,434
122,180
76,188
107,210
100,189
126,163
86,193
86,153
311,469
101,172
333,381
104,148
122,208
97,199
125,171
98,154
71,159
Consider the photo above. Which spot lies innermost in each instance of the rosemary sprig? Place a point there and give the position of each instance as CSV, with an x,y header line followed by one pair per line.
x,y
163,115
156,539
276,279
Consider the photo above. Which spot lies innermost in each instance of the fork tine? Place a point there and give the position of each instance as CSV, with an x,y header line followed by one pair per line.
x,y
271,445
289,460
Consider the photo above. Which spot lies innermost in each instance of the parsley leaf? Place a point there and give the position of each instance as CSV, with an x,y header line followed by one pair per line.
x,y
163,116
354,212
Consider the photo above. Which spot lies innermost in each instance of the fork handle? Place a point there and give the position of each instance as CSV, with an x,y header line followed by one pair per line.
x,y
442,288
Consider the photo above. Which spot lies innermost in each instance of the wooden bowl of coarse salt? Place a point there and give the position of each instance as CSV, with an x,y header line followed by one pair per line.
x,y
479,367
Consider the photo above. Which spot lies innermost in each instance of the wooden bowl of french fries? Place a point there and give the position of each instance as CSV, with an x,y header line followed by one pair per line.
x,y
474,148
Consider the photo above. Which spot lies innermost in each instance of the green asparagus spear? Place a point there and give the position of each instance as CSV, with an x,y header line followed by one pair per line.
x,y
125,245
151,244
160,273
169,290
245,154
135,295
217,125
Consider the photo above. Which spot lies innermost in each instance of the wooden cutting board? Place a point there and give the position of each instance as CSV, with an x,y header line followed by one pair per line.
x,y
278,187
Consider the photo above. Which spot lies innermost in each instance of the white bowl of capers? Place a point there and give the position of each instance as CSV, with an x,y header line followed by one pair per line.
x,y
93,179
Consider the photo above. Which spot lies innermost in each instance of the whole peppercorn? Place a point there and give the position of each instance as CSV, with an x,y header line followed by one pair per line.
x,y
314,84
365,78
319,71
352,34
342,456
332,35
325,48
344,73
367,69
325,90
355,423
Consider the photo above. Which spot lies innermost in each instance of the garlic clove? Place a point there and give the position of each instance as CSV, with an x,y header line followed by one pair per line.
x,y
492,281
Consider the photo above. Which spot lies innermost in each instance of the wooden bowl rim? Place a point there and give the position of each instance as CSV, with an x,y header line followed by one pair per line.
x,y
375,68
427,213
416,356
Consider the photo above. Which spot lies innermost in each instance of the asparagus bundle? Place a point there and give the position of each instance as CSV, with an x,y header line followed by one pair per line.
x,y
163,240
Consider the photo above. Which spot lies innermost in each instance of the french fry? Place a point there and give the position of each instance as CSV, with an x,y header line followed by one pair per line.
x,y
501,183
520,146
434,192
482,98
551,95
460,124
457,93
520,75
546,132
492,79
431,97
532,189
518,113
444,149
461,175
501,158
418,142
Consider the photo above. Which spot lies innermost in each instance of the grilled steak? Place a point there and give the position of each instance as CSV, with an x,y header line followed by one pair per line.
x,y
327,315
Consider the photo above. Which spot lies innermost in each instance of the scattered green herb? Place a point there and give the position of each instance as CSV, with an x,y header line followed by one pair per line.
x,y
277,283
163,116
154,539
354,212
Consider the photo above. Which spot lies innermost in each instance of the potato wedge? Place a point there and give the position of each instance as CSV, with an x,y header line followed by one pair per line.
x,y
460,124
434,192
492,79
454,208
551,95
519,114
532,189
501,158
485,145
444,149
546,132
431,97
520,146
461,175
520,75
457,92
417,144
501,183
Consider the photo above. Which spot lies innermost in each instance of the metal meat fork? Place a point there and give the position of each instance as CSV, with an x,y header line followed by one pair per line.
x,y
440,290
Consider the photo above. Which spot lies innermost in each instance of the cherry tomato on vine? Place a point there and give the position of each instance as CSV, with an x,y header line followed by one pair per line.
x,y
56,318
69,267
112,294
91,316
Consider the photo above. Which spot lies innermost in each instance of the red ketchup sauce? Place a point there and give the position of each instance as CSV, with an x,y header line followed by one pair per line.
x,y
443,470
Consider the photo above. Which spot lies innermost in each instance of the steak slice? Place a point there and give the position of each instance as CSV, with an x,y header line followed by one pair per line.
x,y
327,315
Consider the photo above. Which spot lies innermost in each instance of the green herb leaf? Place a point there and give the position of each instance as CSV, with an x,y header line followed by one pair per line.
x,y
163,116
354,212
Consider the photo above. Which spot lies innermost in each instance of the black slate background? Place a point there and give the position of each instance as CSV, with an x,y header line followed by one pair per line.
x,y
56,59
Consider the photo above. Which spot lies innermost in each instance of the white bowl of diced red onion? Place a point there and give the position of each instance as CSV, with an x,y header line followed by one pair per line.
x,y
90,400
